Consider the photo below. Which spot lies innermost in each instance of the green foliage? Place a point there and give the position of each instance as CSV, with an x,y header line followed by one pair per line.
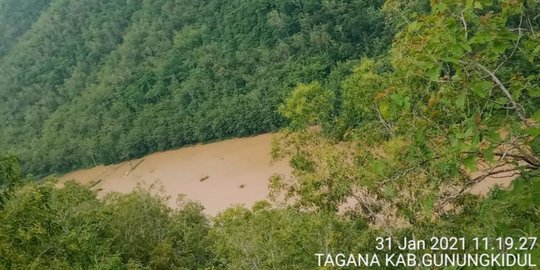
x,y
307,105
148,217
457,88
325,171
267,238
16,17
10,177
510,213
103,81
400,13
43,226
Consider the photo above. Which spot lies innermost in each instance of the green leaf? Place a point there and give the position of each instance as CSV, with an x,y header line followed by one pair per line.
x,y
489,153
428,205
481,88
469,131
481,38
379,166
414,26
534,91
451,59
460,101
440,7
493,136
499,46
434,73
478,5
533,131
536,187
470,162
469,4
406,104
499,101
384,107
397,99
535,146
536,116
466,47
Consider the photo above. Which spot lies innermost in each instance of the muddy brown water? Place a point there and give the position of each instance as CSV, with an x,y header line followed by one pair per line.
x,y
218,174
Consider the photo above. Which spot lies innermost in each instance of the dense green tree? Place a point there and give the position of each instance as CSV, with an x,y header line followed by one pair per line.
x,y
44,226
103,81
16,17
267,238
459,88
10,177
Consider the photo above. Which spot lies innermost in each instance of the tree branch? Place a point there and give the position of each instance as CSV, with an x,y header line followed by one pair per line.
x,y
472,182
462,18
519,109
529,159
384,123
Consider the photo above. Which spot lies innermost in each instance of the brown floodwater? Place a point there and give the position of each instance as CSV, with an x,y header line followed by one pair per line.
x,y
221,174
218,174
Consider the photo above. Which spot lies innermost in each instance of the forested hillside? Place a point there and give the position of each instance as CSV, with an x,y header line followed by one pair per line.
x,y
16,17
101,81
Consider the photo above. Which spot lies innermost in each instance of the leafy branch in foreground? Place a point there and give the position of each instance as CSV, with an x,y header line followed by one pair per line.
x,y
454,103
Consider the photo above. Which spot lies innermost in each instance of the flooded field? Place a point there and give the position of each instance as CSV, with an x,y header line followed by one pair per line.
x,y
218,175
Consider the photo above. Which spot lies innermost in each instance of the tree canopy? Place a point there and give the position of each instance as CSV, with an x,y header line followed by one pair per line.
x,y
96,81
458,93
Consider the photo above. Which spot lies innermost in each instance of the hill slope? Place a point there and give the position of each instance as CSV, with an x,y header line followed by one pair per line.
x,y
16,17
101,81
